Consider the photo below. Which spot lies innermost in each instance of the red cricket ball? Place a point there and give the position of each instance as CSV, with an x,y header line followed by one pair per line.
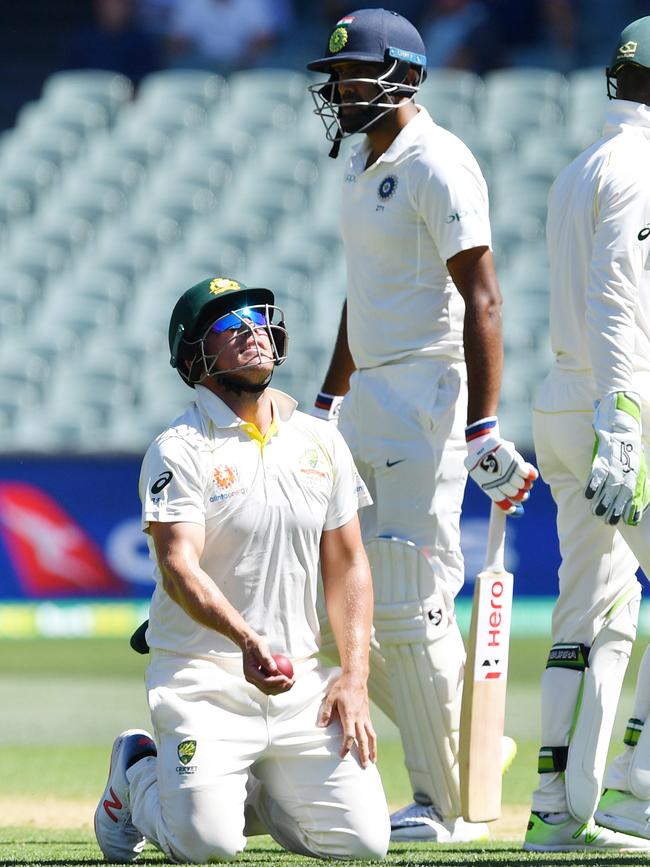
x,y
284,664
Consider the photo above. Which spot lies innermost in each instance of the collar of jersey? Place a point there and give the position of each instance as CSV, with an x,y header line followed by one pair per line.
x,y
623,112
223,417
407,135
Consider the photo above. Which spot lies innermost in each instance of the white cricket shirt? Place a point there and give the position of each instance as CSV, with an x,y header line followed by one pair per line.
x,y
264,505
598,236
420,203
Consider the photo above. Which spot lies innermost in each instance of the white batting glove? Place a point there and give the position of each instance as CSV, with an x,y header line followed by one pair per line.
x,y
327,407
497,467
617,484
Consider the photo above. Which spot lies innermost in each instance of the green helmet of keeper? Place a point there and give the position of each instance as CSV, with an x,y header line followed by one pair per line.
x,y
201,306
632,50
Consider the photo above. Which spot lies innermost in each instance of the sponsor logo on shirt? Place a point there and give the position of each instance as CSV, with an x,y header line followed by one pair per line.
x,y
644,233
308,463
161,482
225,476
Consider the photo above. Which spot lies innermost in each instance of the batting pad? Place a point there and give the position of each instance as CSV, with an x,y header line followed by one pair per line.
x,y
595,714
630,770
420,641
639,775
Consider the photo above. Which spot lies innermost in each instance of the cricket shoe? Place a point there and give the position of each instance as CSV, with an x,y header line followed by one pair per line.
x,y
571,835
118,838
621,811
422,822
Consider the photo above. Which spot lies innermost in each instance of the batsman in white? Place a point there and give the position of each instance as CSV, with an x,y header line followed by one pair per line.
x,y
241,497
418,358
598,235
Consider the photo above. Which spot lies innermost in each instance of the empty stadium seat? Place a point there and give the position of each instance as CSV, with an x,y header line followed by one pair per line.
x,y
267,87
586,103
451,96
110,89
189,85
520,99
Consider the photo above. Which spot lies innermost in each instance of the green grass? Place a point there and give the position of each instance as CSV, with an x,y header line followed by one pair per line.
x,y
63,701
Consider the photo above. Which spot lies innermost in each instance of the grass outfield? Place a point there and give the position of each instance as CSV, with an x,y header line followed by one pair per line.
x,y
63,702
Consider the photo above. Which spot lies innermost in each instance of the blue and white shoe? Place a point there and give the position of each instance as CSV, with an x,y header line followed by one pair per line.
x,y
423,823
118,838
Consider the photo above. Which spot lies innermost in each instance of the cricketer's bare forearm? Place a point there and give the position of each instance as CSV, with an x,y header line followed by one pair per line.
x,y
337,379
178,550
473,273
347,585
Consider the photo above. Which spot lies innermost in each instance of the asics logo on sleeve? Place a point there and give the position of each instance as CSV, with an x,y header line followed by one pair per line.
x,y
644,233
161,482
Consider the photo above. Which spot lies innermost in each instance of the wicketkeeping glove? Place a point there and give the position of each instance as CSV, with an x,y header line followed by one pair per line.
x,y
497,467
618,484
327,407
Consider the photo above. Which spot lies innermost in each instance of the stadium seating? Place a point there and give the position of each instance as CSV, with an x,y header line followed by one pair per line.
x,y
112,204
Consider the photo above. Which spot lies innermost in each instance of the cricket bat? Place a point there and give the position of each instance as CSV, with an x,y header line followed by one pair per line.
x,y
484,689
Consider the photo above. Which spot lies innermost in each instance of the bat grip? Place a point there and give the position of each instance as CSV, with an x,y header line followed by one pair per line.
x,y
496,541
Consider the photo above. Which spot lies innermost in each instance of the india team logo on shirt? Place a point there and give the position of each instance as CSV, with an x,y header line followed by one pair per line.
x,y
387,187
225,476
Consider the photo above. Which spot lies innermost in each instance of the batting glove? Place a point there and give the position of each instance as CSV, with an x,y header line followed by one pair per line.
x,y
327,407
618,484
497,467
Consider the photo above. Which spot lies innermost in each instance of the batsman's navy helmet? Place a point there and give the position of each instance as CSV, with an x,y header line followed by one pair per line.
x,y
205,302
368,36
632,49
372,36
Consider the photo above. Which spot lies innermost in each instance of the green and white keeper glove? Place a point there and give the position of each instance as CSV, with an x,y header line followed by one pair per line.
x,y
327,407
618,484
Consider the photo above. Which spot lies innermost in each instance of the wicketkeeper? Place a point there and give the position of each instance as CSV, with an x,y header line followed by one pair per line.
x,y
598,235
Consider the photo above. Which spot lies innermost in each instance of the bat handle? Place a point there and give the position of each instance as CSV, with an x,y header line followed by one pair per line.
x,y
496,542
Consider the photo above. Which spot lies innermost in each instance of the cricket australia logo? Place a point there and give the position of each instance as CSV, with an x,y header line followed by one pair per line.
x,y
186,751
387,187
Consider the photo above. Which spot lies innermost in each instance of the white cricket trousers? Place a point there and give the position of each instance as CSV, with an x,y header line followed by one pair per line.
x,y
405,426
258,765
598,561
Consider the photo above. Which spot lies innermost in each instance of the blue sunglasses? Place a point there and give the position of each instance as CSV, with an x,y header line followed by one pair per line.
x,y
233,321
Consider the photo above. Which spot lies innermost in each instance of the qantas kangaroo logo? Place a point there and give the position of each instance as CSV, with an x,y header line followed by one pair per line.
x,y
49,551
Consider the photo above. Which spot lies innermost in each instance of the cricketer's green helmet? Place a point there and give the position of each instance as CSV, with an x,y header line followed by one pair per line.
x,y
200,306
632,49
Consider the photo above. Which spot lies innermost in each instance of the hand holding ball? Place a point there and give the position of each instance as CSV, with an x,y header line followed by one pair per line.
x,y
284,664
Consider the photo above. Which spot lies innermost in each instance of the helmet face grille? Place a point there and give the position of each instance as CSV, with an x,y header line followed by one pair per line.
x,y
197,363
389,84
